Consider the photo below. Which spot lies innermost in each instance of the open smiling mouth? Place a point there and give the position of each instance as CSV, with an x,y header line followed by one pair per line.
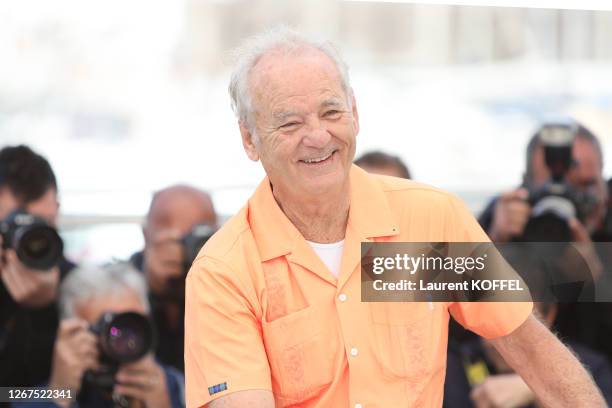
x,y
318,161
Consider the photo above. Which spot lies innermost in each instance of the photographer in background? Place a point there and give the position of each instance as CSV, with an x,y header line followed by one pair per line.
x,y
180,219
507,216
28,288
514,217
104,348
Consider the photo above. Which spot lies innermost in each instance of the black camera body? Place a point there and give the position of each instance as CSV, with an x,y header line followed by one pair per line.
x,y
193,241
556,202
37,244
122,338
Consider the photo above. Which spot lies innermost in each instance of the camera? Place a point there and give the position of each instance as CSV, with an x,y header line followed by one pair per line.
x,y
193,241
556,202
190,243
37,244
122,338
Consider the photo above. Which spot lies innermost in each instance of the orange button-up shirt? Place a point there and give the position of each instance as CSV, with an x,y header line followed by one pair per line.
x,y
264,312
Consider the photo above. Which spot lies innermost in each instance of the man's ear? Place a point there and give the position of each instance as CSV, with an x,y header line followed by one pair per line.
x,y
248,142
355,113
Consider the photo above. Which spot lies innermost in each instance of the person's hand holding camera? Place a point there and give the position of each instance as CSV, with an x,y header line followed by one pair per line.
x,y
29,288
145,381
510,216
75,351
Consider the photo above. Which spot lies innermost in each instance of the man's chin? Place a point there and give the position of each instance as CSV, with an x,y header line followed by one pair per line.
x,y
304,185
323,189
332,183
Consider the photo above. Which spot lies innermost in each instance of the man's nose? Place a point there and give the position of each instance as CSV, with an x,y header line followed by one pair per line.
x,y
317,135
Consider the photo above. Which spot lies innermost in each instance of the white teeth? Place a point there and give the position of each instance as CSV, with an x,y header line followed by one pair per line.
x,y
318,160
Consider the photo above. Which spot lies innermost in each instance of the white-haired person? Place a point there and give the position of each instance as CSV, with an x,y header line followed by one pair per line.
x,y
80,360
273,314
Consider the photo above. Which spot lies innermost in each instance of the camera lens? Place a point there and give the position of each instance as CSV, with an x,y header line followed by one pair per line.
x,y
38,246
126,337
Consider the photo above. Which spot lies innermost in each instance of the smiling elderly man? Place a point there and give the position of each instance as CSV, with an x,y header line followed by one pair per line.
x,y
273,309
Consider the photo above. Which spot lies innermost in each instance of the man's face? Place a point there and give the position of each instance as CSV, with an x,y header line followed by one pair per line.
x,y
172,216
46,207
304,128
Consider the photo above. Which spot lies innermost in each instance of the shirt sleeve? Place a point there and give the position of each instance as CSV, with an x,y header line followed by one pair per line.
x,y
487,319
224,350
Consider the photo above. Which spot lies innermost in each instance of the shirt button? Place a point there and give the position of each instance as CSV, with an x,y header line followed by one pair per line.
x,y
342,297
354,352
358,405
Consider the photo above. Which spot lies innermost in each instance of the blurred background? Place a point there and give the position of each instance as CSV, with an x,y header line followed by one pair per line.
x,y
126,97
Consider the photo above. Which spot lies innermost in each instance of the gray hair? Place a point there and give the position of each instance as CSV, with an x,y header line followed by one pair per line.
x,y
284,39
88,282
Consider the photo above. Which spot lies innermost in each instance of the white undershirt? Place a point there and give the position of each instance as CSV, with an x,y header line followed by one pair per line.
x,y
330,254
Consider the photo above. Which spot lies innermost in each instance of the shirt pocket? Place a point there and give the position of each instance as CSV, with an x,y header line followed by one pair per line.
x,y
406,339
301,355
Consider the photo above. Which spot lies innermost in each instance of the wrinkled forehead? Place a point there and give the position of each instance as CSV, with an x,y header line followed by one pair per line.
x,y
285,73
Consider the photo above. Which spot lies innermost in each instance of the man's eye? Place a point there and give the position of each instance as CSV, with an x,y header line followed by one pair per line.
x,y
289,125
332,113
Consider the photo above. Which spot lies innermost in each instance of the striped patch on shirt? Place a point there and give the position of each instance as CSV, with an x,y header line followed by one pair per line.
x,y
217,388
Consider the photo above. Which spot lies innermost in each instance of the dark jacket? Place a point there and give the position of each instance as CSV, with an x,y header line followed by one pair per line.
x,y
26,338
175,381
170,344
588,323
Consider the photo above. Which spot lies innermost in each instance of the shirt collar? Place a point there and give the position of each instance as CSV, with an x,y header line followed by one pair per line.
x,y
369,215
